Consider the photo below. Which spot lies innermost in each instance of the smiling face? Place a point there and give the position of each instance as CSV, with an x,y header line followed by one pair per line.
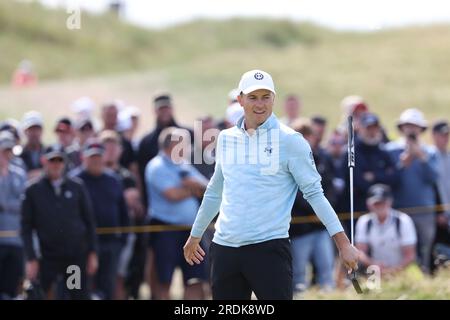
x,y
257,107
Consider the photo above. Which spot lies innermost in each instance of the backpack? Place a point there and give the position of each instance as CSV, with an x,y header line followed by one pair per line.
x,y
397,229
397,226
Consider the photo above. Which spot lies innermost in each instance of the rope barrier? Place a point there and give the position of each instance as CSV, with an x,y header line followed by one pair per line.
x,y
295,220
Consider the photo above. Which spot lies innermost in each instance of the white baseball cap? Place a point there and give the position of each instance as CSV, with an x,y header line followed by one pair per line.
x,y
124,121
233,94
254,80
234,113
31,119
83,107
412,116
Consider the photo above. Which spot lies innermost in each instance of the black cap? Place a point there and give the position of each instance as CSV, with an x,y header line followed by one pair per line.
x,y
319,120
441,127
55,151
379,192
9,127
369,119
163,100
93,147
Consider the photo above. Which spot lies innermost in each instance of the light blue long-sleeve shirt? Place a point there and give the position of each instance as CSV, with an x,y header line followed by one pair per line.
x,y
255,182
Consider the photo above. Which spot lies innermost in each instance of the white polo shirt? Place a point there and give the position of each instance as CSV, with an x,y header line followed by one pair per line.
x,y
384,241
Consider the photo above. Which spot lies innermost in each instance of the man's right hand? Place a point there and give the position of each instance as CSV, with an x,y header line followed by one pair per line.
x,y
192,251
32,269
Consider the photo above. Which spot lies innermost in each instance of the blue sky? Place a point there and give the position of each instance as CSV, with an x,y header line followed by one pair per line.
x,y
339,14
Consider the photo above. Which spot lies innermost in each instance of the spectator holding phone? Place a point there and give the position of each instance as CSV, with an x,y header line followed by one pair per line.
x,y
418,174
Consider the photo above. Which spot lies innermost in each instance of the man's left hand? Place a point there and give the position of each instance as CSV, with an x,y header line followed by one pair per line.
x,y
350,256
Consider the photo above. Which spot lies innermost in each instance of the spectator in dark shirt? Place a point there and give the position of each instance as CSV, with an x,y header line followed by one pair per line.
x,y
60,211
110,210
309,239
374,163
66,135
133,255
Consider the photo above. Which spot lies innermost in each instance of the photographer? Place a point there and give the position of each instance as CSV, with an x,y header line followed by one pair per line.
x,y
418,174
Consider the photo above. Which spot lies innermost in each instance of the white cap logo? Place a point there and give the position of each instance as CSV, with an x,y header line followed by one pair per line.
x,y
254,80
259,76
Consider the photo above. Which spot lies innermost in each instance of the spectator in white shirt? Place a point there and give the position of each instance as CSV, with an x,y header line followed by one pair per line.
x,y
386,237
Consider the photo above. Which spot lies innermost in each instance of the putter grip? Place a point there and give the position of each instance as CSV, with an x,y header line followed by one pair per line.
x,y
351,143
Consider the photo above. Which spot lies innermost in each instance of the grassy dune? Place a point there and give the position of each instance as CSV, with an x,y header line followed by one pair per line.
x,y
201,61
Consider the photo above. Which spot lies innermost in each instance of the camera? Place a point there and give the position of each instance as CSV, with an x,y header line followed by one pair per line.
x,y
412,137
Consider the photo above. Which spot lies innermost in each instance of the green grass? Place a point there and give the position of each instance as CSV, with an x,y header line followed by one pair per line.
x,y
200,62
405,286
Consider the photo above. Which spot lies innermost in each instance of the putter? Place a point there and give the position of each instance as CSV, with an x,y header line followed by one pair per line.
x,y
351,165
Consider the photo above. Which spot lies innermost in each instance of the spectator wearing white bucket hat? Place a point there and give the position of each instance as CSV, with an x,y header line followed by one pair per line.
x,y
418,174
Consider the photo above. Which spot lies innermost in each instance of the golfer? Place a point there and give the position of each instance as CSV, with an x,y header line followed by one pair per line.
x,y
260,164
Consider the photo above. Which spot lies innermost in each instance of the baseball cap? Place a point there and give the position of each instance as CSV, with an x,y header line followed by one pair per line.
x,y
412,116
441,127
63,124
93,147
351,104
254,80
7,140
54,151
234,113
83,106
32,119
233,94
80,124
369,119
319,120
163,100
12,126
124,121
109,135
379,192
